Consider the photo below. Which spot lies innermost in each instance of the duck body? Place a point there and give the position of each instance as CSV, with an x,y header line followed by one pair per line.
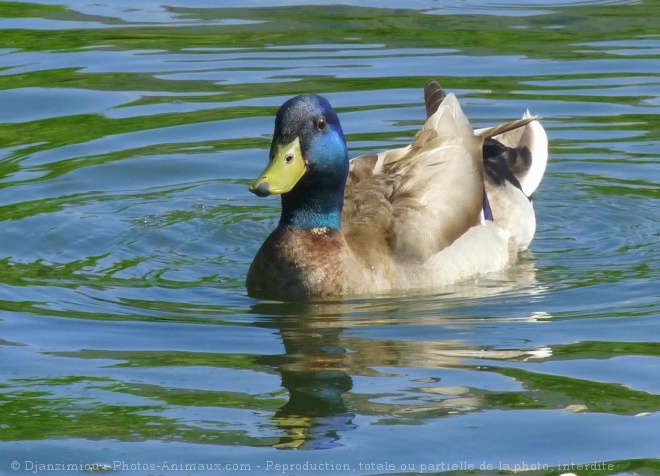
x,y
407,218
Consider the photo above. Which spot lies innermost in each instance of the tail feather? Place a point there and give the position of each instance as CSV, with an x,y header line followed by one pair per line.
x,y
489,132
524,148
433,97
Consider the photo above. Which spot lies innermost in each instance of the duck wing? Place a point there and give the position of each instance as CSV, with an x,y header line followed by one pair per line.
x,y
515,155
516,151
414,201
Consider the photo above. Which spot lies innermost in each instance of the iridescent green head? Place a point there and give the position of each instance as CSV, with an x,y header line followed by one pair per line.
x,y
308,164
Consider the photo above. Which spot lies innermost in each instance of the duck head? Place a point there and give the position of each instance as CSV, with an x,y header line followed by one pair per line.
x,y
308,164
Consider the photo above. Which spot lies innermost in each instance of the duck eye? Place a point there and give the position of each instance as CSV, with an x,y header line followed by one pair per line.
x,y
322,124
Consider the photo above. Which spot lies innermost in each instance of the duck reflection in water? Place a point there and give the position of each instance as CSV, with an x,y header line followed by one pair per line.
x,y
323,354
314,374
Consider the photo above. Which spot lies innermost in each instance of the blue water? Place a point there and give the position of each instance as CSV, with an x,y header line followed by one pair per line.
x,y
129,133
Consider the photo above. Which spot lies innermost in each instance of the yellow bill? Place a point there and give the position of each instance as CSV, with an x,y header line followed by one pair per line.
x,y
283,172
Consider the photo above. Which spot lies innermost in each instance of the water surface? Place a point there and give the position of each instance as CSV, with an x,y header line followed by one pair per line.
x,y
129,132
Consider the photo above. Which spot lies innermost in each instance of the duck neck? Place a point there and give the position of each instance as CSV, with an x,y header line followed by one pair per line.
x,y
313,208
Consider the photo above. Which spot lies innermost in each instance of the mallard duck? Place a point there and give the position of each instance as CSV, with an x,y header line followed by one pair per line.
x,y
454,204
